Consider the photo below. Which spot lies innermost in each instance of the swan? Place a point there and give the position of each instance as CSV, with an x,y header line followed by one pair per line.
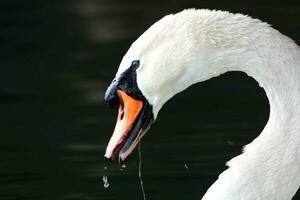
x,y
193,46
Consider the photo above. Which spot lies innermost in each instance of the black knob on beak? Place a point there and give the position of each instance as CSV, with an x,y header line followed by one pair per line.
x,y
111,97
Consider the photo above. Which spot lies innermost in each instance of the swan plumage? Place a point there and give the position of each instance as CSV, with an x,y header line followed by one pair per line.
x,y
195,45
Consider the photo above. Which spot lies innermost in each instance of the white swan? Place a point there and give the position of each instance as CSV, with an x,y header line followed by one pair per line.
x,y
193,46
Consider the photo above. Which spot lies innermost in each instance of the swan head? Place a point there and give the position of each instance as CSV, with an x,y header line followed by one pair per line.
x,y
174,53
150,73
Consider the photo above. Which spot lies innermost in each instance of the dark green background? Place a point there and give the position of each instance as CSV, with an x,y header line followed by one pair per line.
x,y
58,57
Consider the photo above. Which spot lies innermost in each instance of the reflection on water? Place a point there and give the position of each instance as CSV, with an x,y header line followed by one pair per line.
x,y
57,59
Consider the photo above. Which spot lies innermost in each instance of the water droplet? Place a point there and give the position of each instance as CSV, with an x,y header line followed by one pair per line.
x,y
105,181
105,168
229,142
123,166
186,166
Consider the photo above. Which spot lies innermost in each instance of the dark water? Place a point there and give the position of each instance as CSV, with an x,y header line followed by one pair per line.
x,y
57,58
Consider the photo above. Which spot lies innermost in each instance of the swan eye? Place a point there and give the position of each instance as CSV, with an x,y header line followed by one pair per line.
x,y
135,64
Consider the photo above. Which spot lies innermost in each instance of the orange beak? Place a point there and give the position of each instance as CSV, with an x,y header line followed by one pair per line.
x,y
121,140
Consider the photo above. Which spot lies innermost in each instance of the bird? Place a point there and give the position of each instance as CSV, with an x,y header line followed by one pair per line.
x,y
193,46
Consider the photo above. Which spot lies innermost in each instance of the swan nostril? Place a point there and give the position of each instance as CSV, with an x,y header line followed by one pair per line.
x,y
122,111
122,115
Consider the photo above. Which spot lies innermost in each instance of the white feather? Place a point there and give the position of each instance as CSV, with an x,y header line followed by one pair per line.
x,y
196,45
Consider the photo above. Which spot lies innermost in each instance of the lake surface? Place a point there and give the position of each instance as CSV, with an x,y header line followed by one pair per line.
x,y
57,58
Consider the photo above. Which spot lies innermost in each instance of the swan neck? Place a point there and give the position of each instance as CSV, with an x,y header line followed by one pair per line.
x,y
269,168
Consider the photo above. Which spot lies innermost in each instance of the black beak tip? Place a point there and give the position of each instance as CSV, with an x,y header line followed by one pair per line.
x,y
121,162
108,159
